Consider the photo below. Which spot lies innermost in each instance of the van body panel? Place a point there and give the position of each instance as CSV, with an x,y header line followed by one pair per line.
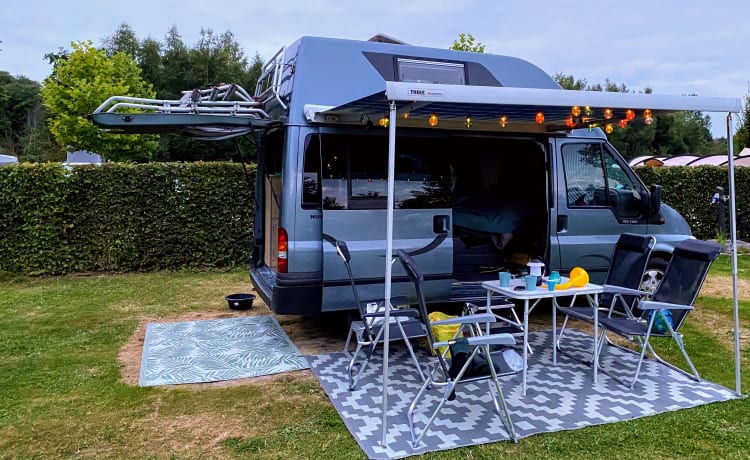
x,y
364,232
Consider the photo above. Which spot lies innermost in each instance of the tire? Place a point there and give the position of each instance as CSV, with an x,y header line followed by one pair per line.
x,y
653,274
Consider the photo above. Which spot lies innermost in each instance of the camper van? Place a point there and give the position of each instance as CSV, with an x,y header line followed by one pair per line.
x,y
495,165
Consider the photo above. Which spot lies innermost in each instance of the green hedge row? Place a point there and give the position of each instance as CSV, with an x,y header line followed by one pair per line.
x,y
121,217
689,191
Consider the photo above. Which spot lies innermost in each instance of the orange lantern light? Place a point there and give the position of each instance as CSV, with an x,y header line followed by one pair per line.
x,y
607,114
629,115
433,120
623,123
503,120
570,123
384,122
540,117
609,128
648,116
575,111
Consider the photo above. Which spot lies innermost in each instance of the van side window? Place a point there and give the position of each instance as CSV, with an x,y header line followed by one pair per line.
x,y
351,172
594,178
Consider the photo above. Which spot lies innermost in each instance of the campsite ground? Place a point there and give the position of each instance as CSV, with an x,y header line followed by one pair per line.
x,y
70,356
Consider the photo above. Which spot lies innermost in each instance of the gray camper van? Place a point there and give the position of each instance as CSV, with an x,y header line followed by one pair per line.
x,y
478,185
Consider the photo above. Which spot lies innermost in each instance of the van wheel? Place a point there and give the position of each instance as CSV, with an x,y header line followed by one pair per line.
x,y
653,275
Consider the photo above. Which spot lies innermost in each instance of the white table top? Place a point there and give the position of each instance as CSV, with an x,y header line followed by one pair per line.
x,y
541,292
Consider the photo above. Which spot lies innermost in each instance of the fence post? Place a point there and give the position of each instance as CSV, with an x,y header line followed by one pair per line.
x,y
720,199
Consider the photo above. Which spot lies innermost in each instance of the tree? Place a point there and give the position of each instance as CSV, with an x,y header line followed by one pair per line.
x,y
78,85
22,129
742,135
466,42
124,40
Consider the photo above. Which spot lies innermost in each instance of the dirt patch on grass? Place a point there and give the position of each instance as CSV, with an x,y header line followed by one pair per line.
x,y
721,286
190,433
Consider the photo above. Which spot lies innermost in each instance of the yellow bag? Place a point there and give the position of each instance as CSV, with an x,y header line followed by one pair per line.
x,y
443,333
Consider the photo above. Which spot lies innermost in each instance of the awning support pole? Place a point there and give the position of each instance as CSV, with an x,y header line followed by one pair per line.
x,y
733,233
388,262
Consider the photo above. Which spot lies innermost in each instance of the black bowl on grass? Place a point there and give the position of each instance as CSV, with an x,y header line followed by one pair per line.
x,y
240,301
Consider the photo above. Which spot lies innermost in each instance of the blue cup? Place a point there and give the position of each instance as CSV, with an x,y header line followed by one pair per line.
x,y
530,282
551,284
504,278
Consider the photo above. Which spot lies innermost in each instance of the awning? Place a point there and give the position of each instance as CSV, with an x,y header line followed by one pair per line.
x,y
481,107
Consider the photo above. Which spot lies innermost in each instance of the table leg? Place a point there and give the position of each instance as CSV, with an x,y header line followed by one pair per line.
x,y
525,342
554,330
596,336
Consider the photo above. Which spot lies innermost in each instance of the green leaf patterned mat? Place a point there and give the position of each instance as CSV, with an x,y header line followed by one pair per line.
x,y
214,350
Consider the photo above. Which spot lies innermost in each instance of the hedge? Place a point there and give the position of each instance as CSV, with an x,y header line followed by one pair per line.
x,y
689,191
121,217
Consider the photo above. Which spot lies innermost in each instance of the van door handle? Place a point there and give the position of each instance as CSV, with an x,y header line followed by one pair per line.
x,y
562,223
441,224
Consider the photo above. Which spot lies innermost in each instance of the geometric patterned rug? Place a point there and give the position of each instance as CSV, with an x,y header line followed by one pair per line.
x,y
214,350
561,397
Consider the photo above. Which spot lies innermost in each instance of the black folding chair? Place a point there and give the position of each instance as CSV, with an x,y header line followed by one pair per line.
x,y
467,359
368,332
629,258
683,278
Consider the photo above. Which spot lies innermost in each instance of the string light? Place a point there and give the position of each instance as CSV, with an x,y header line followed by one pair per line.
x,y
384,122
575,111
609,128
433,120
648,116
607,114
540,117
503,120
468,121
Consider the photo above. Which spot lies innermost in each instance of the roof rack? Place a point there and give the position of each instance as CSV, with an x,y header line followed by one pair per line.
x,y
216,100
219,112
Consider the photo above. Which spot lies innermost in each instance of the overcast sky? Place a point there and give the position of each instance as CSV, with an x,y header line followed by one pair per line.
x,y
671,46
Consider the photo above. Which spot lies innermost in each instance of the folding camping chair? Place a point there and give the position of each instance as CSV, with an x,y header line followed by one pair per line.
x,y
629,258
470,358
673,298
368,331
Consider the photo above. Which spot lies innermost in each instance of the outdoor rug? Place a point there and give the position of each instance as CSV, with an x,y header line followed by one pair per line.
x,y
214,350
561,397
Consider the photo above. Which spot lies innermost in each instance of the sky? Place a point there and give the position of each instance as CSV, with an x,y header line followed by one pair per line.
x,y
672,46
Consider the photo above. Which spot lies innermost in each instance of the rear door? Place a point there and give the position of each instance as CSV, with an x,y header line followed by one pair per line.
x,y
354,194
598,198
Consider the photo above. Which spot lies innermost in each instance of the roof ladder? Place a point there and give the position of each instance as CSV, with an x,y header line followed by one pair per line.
x,y
269,83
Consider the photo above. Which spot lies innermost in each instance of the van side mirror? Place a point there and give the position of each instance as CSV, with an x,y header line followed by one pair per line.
x,y
654,201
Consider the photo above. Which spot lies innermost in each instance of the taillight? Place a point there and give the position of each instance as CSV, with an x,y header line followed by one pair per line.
x,y
282,265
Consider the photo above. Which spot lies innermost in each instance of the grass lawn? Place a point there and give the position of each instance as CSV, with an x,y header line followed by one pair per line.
x,y
62,393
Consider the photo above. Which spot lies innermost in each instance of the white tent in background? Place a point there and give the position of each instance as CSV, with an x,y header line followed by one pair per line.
x,y
7,160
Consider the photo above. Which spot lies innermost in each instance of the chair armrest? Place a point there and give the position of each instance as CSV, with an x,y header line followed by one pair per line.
x,y
652,305
612,289
466,319
402,312
481,340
